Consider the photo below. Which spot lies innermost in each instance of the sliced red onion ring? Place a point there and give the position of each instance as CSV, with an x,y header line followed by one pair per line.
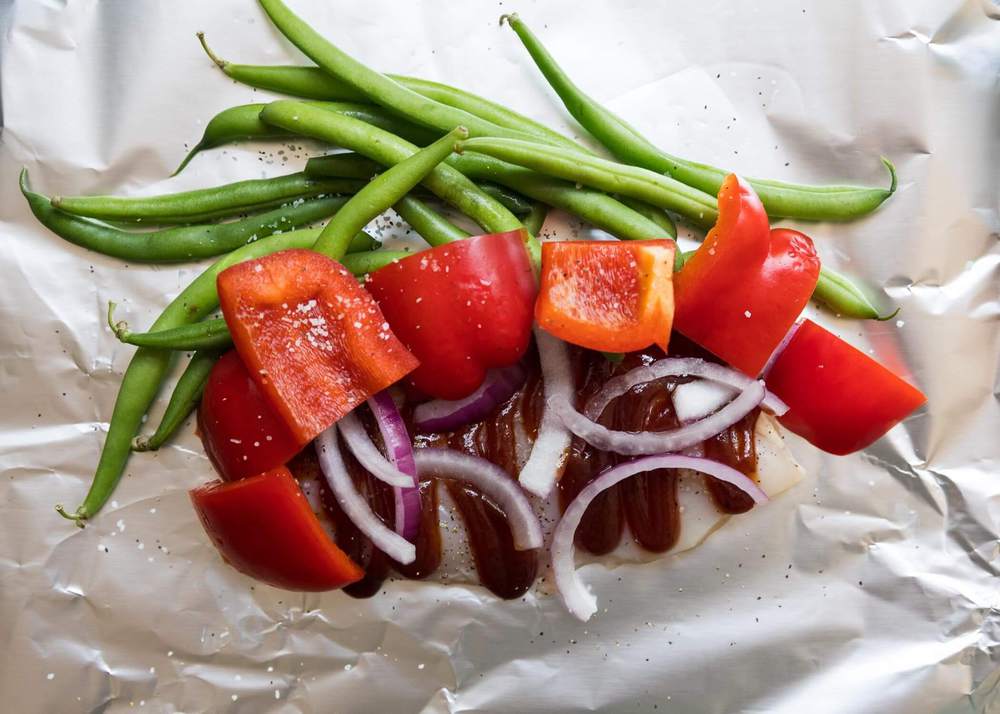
x,y
331,462
575,595
491,481
548,453
780,348
445,415
676,367
400,449
658,442
368,455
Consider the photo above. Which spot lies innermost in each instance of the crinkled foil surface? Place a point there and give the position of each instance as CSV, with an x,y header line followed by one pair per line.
x,y
869,587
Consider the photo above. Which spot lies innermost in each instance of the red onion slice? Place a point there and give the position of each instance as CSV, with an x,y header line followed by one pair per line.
x,y
575,595
331,462
779,349
491,481
551,447
368,455
676,367
658,442
445,415
400,449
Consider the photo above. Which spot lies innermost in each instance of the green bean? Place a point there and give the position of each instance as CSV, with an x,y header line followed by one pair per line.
x,y
205,335
513,201
145,374
376,86
834,291
846,299
243,122
432,226
445,182
595,207
305,82
655,188
217,201
821,203
535,219
656,215
175,244
381,193
183,400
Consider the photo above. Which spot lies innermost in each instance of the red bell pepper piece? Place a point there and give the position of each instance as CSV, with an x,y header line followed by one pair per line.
x,y
608,295
242,434
264,528
312,338
839,398
744,287
461,308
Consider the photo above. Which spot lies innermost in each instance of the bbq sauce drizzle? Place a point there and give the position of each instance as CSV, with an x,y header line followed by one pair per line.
x,y
646,502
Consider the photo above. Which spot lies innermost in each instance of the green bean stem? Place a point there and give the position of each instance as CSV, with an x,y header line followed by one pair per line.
x,y
217,201
699,208
183,400
243,123
148,368
444,181
175,244
820,203
382,192
376,86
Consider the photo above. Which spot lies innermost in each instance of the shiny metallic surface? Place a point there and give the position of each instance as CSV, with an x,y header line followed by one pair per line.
x,y
871,586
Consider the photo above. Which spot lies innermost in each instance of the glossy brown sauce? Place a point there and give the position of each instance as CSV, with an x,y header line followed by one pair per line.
x,y
646,502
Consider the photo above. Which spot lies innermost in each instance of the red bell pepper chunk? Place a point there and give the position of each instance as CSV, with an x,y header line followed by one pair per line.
x,y
608,295
461,308
242,434
312,338
745,286
839,398
264,528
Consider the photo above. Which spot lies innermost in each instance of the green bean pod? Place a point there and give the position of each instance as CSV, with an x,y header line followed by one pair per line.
x,y
844,298
183,400
243,123
178,244
781,199
535,219
431,225
701,209
148,367
512,201
193,206
444,181
205,335
382,192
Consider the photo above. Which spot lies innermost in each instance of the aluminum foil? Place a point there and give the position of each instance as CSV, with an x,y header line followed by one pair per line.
x,y
871,586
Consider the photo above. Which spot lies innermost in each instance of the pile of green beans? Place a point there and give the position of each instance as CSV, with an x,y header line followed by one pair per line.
x,y
146,371
788,200
511,167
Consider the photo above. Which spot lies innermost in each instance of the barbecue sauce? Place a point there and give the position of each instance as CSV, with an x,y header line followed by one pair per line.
x,y
647,502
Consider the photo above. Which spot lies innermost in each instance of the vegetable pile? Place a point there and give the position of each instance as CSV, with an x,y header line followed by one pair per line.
x,y
383,375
